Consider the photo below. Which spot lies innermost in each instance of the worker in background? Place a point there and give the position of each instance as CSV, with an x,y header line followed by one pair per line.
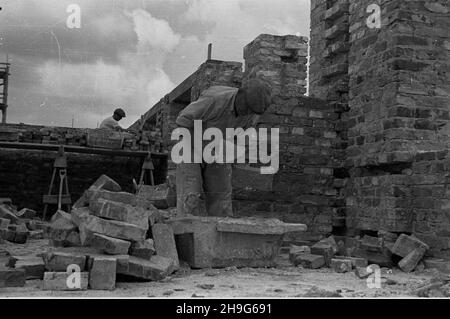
x,y
205,189
112,122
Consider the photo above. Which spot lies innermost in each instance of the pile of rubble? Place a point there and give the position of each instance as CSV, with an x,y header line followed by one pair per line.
x,y
344,254
108,232
16,226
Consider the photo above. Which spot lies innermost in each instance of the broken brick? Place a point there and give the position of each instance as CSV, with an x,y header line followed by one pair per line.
x,y
95,194
109,245
341,265
161,196
361,272
145,249
324,249
406,244
409,263
307,260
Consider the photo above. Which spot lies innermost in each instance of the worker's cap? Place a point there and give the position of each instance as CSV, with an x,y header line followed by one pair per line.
x,y
258,95
120,112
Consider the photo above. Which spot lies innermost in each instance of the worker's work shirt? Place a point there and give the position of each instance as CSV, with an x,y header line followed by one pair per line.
x,y
110,123
215,108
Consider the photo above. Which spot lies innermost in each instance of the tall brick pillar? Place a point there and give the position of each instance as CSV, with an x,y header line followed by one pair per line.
x,y
398,122
303,190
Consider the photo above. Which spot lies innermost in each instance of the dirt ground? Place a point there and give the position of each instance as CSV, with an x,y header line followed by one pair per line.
x,y
285,281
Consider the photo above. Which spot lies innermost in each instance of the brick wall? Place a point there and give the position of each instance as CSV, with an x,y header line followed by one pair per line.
x,y
304,189
396,126
25,174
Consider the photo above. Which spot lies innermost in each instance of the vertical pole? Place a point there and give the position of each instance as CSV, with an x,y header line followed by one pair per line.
x,y
209,51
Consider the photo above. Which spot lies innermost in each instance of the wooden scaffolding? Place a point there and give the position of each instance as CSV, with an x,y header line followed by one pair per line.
x,y
4,74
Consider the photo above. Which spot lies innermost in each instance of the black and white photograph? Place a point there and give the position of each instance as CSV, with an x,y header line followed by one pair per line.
x,y
247,151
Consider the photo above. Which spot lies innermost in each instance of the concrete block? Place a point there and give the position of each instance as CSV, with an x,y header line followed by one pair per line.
x,y
109,245
10,277
144,250
202,245
371,243
164,240
34,266
341,265
120,212
308,260
26,213
106,183
60,261
295,250
409,263
63,281
439,264
383,257
406,244
102,273
89,224
157,268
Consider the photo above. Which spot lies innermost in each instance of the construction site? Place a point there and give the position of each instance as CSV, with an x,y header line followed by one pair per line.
x,y
359,207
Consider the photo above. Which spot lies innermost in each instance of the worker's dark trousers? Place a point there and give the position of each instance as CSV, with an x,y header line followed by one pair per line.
x,y
204,189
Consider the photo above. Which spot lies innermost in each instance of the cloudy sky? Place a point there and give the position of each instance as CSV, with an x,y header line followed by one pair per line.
x,y
126,53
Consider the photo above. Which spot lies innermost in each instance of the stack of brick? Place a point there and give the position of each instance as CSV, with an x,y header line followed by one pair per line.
x,y
142,140
18,226
113,232
304,189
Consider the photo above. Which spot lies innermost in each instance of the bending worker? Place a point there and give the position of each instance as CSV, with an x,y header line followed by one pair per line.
x,y
205,189
112,122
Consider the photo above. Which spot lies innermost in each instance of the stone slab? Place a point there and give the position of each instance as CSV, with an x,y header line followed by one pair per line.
x,y
102,273
63,281
120,212
439,264
164,241
89,224
94,194
161,196
26,213
356,262
6,213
